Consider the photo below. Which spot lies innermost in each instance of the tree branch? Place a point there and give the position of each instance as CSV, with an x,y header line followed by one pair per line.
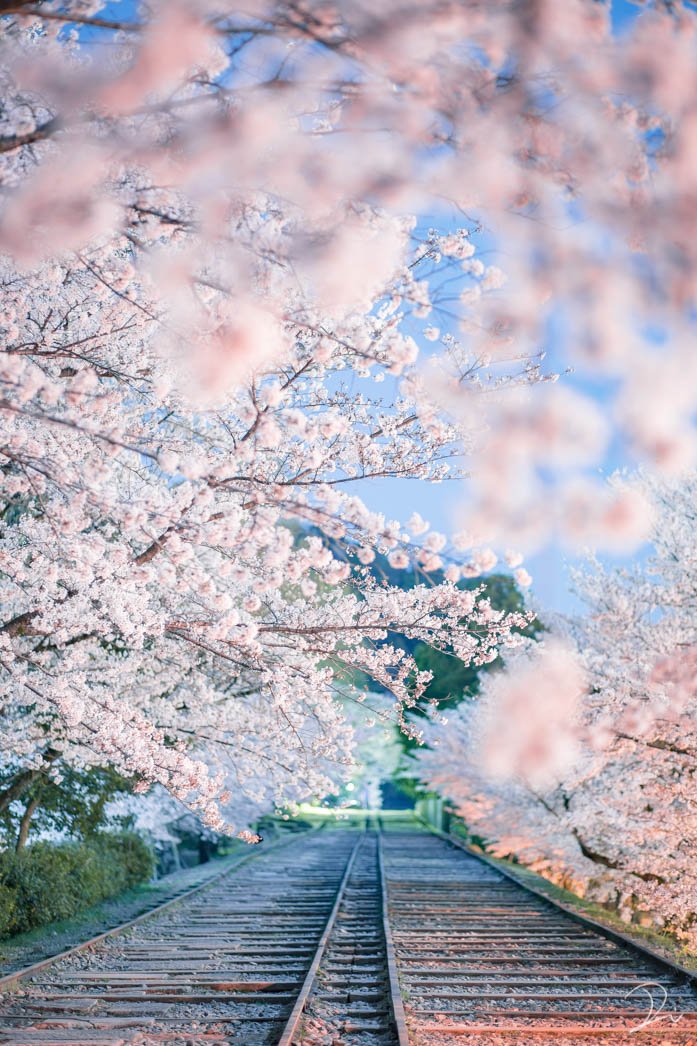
x,y
40,133
22,781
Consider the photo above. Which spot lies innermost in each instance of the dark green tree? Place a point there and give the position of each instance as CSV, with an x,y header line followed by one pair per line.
x,y
452,679
74,804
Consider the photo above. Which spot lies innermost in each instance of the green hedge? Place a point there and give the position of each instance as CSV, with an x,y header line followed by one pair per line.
x,y
50,881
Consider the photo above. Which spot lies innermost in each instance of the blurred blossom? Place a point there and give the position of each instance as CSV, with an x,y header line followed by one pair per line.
x,y
529,710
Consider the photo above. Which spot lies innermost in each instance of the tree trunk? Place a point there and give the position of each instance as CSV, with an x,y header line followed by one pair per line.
x,y
24,824
599,858
20,784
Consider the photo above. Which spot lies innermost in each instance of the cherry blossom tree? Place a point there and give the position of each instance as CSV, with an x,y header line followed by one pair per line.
x,y
584,768
184,568
217,279
157,596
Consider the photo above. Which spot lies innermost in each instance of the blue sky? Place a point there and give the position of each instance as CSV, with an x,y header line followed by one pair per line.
x,y
443,504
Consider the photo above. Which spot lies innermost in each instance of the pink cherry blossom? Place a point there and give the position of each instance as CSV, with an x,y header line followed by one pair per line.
x,y
223,315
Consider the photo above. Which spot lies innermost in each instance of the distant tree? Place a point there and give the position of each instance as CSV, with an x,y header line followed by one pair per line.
x,y
452,678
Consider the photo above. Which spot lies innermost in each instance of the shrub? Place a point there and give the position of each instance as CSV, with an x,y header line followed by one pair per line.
x,y
47,881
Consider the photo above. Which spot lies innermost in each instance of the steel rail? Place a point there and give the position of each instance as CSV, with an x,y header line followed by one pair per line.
x,y
584,920
396,1003
551,1031
469,975
10,980
291,1024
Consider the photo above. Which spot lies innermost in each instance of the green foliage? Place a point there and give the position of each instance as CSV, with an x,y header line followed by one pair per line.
x,y
74,805
452,678
47,882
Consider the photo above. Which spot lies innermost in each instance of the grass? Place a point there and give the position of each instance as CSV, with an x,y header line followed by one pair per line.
x,y
318,814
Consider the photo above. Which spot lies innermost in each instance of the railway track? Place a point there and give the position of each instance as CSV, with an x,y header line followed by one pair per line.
x,y
351,995
483,960
287,948
318,940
